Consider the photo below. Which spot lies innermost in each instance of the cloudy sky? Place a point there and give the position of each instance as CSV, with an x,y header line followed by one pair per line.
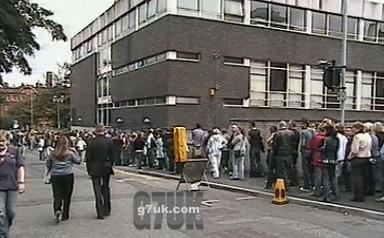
x,y
74,15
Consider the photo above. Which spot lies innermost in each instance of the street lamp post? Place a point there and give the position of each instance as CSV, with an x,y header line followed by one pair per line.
x,y
58,99
342,92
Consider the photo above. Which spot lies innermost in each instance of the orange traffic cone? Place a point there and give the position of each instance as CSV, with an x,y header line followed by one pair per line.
x,y
280,194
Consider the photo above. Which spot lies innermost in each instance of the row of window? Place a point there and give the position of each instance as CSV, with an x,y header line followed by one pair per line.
x,y
284,85
138,16
357,8
117,10
103,85
154,101
187,56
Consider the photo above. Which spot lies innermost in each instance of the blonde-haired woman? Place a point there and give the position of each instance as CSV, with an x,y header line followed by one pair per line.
x,y
60,165
13,178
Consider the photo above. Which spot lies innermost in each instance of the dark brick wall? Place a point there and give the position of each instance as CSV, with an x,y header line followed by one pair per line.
x,y
133,117
195,79
83,91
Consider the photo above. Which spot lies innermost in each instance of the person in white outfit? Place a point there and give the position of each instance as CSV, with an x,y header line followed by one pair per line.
x,y
215,144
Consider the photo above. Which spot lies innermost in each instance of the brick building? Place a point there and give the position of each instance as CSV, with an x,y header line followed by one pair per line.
x,y
216,61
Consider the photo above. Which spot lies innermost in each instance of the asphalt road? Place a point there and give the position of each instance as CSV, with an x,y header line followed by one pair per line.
x,y
229,217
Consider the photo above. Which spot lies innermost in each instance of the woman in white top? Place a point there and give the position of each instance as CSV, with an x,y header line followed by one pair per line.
x,y
215,144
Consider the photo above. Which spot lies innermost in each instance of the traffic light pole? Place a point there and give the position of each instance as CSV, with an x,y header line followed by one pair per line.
x,y
342,91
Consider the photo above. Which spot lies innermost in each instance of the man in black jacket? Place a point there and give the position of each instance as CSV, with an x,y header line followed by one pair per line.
x,y
257,146
99,166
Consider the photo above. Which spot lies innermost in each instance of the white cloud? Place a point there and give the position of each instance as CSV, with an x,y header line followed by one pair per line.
x,y
74,15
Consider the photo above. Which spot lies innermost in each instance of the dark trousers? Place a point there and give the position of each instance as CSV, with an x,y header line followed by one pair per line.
x,y
306,158
102,195
225,161
271,168
139,157
283,166
360,170
62,187
346,176
293,170
257,167
369,180
151,154
330,181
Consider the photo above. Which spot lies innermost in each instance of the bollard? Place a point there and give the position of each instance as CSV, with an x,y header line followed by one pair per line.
x,y
280,193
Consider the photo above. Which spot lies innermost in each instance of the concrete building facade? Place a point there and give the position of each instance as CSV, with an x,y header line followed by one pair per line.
x,y
179,62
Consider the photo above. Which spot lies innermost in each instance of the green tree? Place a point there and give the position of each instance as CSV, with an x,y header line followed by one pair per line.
x,y
17,20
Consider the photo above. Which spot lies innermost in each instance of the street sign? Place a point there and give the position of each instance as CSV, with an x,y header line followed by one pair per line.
x,y
331,77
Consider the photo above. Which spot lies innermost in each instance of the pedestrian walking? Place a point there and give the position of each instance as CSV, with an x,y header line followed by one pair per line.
x,y
12,173
100,158
216,143
60,164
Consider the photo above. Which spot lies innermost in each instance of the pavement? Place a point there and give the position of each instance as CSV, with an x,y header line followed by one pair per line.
x,y
234,214
256,186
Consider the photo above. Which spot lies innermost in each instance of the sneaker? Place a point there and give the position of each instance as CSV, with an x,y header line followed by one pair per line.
x,y
57,216
380,200
304,189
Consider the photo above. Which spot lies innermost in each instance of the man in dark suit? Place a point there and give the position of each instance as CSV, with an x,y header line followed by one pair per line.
x,y
100,159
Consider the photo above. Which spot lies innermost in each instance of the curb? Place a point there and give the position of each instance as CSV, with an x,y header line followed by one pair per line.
x,y
346,210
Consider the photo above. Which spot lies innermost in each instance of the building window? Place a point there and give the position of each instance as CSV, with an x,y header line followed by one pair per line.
x,y
131,21
187,100
233,101
161,5
335,25
188,4
160,100
233,60
370,30
104,57
296,86
296,19
279,17
187,56
118,27
366,91
352,28
211,8
258,84
381,32
151,11
379,94
142,14
317,88
350,84
233,10
278,77
259,13
318,23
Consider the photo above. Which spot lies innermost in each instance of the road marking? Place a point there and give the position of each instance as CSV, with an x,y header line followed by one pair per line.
x,y
246,198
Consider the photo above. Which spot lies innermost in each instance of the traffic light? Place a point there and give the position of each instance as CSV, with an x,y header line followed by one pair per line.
x,y
331,77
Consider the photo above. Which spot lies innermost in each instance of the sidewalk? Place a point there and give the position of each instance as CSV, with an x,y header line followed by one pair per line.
x,y
256,186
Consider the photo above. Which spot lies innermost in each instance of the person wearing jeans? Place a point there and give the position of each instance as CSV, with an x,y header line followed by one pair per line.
x,y
59,164
238,152
306,135
12,173
316,145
